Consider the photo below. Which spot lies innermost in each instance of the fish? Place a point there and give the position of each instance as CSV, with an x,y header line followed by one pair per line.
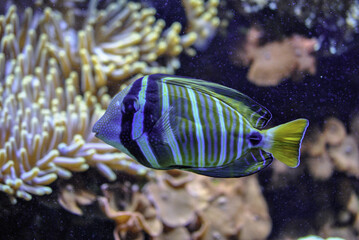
x,y
173,122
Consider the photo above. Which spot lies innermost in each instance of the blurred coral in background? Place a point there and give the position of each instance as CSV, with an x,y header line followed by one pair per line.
x,y
279,40
334,23
271,63
330,164
190,206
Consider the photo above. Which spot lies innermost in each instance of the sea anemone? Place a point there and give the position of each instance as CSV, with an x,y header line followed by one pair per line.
x,y
55,66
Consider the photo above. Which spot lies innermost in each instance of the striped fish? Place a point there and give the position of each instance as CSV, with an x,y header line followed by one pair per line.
x,y
167,122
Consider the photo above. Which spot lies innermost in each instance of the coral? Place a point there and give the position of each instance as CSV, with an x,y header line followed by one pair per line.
x,y
46,125
136,216
235,197
182,205
321,167
342,153
345,156
334,131
69,198
216,202
124,39
175,206
320,163
274,61
177,178
46,128
334,23
202,19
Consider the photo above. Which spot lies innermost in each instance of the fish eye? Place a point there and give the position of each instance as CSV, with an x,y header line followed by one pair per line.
x,y
130,105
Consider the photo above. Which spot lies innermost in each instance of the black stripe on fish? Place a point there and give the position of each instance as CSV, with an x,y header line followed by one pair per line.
x,y
152,109
152,115
126,126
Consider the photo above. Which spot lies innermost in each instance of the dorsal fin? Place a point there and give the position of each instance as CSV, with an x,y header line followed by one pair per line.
x,y
249,163
256,114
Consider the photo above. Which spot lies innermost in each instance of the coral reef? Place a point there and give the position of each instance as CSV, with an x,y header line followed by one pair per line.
x,y
290,33
70,198
181,205
55,65
137,215
334,23
332,149
60,63
125,39
274,61
177,205
46,126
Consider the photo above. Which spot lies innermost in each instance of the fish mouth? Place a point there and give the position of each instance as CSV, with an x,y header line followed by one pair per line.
x,y
96,134
95,130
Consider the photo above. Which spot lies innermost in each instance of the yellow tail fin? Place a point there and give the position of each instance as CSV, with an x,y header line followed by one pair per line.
x,y
284,141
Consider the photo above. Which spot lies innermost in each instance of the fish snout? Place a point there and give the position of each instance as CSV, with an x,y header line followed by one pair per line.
x,y
105,130
96,128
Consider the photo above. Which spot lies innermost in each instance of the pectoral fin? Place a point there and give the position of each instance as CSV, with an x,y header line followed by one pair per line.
x,y
165,127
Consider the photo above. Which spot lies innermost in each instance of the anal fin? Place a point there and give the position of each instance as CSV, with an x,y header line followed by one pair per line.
x,y
251,162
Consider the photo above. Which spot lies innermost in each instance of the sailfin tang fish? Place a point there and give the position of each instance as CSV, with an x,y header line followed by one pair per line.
x,y
167,122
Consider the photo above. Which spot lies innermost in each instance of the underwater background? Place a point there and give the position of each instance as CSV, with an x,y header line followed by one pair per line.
x,y
62,61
